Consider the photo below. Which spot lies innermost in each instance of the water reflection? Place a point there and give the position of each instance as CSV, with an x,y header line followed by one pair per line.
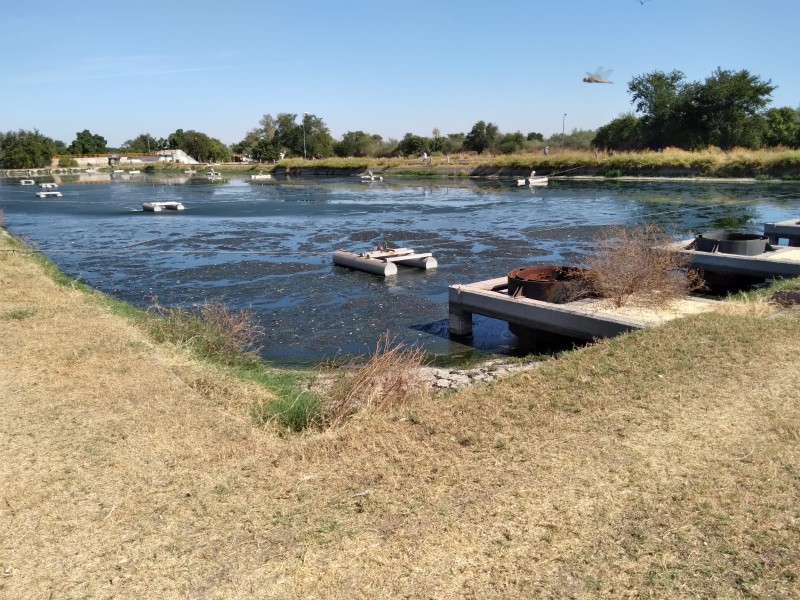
x,y
268,246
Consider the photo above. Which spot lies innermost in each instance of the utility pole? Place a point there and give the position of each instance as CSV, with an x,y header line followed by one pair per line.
x,y
562,132
304,135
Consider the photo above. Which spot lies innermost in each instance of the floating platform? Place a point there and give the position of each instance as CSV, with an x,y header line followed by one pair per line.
x,y
788,230
384,261
777,261
48,186
584,319
49,194
261,176
370,177
26,182
161,206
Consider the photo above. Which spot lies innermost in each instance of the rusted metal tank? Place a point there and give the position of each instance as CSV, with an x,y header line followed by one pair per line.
x,y
744,244
548,283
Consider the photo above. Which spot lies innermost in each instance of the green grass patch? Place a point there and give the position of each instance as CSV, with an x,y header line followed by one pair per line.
x,y
19,314
295,412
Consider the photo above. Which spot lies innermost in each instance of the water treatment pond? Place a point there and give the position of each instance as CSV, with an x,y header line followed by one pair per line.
x,y
268,246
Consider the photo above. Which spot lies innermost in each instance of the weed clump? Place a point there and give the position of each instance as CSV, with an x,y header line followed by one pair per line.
x,y
632,266
389,378
212,330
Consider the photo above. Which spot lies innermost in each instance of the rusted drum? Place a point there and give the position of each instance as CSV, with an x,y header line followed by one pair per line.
x,y
548,283
744,244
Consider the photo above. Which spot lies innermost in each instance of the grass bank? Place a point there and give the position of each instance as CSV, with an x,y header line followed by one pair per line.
x,y
740,163
664,463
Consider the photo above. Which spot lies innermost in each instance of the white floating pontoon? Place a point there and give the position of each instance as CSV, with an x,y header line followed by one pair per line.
x,y
161,206
384,261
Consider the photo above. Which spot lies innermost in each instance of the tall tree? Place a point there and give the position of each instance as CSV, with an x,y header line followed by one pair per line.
x,y
200,146
288,134
483,136
623,133
413,145
319,142
144,142
657,97
88,143
357,143
25,149
731,105
783,127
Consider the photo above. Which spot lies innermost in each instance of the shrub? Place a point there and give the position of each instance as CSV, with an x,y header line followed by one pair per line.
x,y
211,329
632,266
67,161
389,378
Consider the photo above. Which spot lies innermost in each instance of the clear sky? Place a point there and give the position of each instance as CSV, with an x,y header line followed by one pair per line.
x,y
124,68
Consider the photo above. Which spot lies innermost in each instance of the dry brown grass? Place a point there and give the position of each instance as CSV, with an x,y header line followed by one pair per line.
x,y
387,380
628,266
661,464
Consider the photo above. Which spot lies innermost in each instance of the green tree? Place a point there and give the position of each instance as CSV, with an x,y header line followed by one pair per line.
x,y
249,143
658,98
265,150
144,142
534,137
288,134
86,142
176,140
482,137
454,142
202,147
413,145
511,143
318,139
730,105
25,150
356,143
783,127
623,133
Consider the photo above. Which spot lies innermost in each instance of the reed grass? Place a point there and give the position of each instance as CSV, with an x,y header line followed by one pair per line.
x,y
388,379
211,329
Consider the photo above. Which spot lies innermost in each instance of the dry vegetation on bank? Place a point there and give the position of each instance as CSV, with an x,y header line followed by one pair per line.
x,y
671,162
664,463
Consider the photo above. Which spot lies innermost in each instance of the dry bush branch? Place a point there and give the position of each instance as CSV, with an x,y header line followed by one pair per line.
x,y
630,266
211,328
389,378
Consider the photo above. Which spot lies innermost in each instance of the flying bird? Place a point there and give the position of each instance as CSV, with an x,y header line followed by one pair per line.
x,y
600,75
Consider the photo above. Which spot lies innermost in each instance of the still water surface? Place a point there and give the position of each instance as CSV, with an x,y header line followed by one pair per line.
x,y
267,246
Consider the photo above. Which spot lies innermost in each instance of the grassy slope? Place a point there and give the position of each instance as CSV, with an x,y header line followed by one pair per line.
x,y
664,463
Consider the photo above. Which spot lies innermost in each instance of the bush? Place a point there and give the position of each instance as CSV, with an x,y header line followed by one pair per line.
x,y
389,378
67,162
632,266
212,330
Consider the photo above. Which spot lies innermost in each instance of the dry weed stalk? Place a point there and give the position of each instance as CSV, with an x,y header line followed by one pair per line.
x,y
212,327
631,266
239,326
389,378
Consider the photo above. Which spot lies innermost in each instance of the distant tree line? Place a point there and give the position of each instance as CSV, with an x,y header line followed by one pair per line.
x,y
727,110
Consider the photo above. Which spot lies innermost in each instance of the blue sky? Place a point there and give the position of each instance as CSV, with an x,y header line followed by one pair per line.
x,y
121,69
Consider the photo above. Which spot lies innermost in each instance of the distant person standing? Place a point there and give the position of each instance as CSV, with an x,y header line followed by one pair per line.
x,y
546,150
